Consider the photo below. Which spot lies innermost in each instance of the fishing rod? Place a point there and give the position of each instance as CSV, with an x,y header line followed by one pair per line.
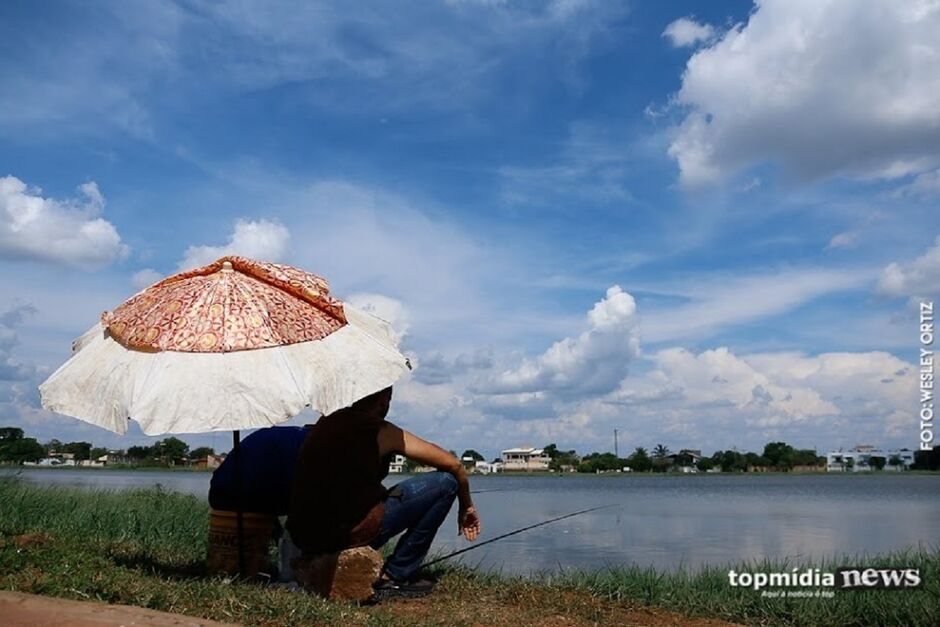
x,y
512,533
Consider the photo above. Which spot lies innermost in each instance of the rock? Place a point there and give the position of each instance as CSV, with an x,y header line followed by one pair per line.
x,y
347,575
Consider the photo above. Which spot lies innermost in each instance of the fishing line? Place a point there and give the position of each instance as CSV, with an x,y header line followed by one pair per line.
x,y
512,533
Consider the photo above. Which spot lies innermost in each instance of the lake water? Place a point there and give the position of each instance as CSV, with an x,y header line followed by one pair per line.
x,y
664,521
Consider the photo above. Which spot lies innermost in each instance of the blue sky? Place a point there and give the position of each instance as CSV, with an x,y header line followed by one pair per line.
x,y
704,224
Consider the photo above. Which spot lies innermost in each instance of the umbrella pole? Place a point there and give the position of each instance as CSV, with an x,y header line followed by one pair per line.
x,y
239,515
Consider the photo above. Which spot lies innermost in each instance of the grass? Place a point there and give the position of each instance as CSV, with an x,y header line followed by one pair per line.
x,y
147,548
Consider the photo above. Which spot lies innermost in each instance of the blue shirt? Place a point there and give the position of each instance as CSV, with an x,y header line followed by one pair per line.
x,y
268,458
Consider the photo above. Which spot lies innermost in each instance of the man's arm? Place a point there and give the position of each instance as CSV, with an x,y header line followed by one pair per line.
x,y
392,439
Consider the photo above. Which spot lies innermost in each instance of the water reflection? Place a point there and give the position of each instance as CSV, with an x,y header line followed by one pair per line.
x,y
663,521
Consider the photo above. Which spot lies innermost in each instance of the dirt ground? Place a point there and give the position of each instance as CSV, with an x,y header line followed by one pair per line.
x,y
28,610
18,609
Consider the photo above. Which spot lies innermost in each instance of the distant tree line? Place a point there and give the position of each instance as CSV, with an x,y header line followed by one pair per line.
x,y
778,456
15,447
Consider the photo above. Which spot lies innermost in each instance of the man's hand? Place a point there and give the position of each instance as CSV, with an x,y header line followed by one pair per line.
x,y
468,523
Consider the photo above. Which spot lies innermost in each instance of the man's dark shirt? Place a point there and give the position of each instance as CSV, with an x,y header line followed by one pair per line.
x,y
268,460
338,497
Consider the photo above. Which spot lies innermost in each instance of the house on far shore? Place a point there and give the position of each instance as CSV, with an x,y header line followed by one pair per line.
x,y
685,460
113,457
526,458
54,459
486,468
397,465
210,462
865,457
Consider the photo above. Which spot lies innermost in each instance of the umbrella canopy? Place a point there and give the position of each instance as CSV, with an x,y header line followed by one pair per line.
x,y
233,345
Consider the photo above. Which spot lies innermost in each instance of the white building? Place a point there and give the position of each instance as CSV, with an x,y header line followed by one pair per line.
x,y
525,458
486,468
397,465
862,458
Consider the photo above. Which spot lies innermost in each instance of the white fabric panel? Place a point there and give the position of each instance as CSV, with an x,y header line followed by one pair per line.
x,y
173,392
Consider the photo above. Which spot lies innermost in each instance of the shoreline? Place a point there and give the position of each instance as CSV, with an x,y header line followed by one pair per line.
x,y
477,476
147,548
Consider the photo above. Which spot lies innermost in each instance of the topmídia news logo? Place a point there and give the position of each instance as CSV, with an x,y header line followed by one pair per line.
x,y
825,582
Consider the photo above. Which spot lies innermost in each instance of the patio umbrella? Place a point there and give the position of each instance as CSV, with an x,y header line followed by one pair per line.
x,y
233,345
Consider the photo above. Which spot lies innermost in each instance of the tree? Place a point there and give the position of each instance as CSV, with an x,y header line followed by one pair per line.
x,y
927,460
81,450
53,446
753,460
601,461
98,451
705,464
21,450
780,455
551,450
660,457
140,453
877,462
730,461
640,460
807,457
895,460
170,449
849,463
473,454
201,452
564,459
10,434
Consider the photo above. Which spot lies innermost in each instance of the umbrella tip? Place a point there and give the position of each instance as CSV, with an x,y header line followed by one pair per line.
x,y
227,266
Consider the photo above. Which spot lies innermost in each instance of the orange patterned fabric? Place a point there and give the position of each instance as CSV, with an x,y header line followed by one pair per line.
x,y
230,305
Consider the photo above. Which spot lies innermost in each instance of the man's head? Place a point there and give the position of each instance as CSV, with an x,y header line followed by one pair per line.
x,y
375,405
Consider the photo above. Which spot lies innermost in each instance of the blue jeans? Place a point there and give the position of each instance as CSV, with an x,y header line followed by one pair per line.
x,y
418,505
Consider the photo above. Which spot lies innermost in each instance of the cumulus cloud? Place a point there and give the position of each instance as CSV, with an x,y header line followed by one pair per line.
x,y
918,279
712,394
34,227
387,308
687,32
594,360
435,368
263,240
11,369
789,88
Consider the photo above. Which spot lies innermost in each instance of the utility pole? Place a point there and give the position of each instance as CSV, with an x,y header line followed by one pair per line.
x,y
616,452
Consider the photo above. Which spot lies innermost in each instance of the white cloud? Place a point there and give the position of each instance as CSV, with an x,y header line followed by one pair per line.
x,y
145,278
924,185
11,369
595,360
389,309
718,301
392,57
592,167
33,227
687,32
846,239
263,240
831,399
918,279
791,87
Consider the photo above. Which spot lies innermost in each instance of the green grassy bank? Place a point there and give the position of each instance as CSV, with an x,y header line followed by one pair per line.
x,y
147,548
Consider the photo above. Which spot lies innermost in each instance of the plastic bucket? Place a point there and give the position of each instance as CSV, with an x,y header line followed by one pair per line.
x,y
257,532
